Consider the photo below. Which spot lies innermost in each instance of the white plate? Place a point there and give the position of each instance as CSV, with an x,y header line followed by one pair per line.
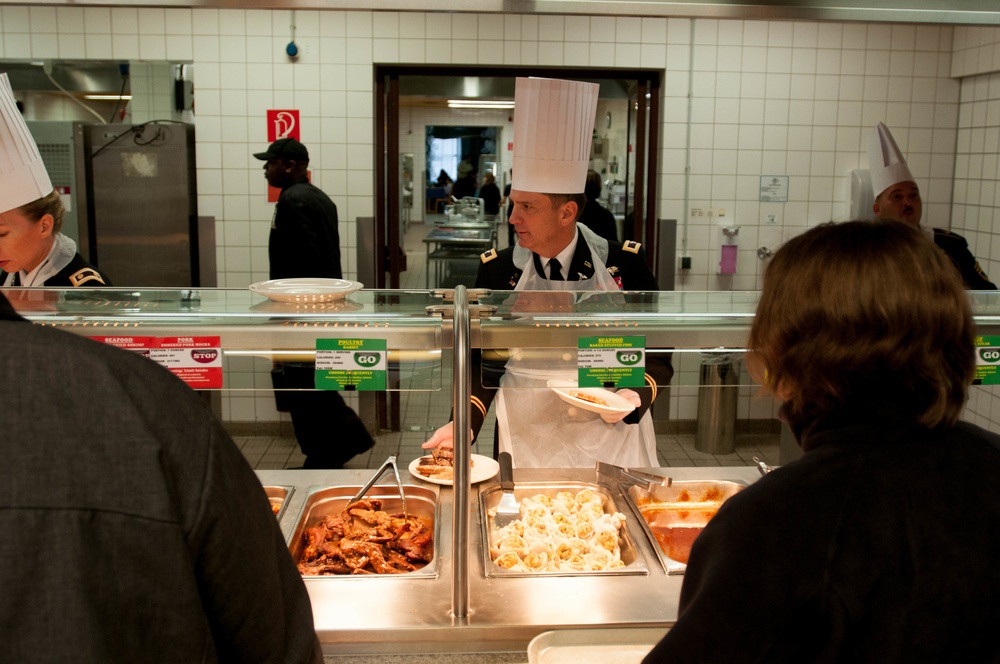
x,y
483,468
615,403
306,289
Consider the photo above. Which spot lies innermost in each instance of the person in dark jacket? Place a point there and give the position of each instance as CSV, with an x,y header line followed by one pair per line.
x,y
305,242
595,216
878,545
130,524
490,193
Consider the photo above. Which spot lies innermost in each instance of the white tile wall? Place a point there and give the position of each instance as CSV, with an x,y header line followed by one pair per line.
x,y
769,98
976,207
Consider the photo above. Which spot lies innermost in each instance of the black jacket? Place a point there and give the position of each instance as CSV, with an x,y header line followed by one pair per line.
x,y
305,240
879,545
958,251
78,274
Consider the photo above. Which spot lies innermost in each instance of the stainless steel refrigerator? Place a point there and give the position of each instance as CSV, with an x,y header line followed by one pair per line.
x,y
138,217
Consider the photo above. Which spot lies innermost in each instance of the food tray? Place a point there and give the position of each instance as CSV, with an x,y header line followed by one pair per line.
x,y
639,499
489,497
279,495
322,501
606,645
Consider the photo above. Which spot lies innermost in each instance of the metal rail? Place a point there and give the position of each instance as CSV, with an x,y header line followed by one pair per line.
x,y
462,484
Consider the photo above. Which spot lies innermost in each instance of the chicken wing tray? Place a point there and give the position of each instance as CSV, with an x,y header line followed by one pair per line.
x,y
337,538
673,517
278,496
565,529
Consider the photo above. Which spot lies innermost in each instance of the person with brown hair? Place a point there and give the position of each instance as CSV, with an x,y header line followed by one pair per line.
x,y
876,545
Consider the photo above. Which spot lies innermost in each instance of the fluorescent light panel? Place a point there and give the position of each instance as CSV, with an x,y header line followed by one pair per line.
x,y
479,103
108,97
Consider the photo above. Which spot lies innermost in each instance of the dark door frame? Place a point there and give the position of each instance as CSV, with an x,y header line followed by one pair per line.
x,y
390,260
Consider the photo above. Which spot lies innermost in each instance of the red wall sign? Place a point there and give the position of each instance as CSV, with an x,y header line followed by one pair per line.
x,y
282,124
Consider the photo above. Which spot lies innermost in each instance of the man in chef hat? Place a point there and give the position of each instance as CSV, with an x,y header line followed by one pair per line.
x,y
553,126
897,198
32,250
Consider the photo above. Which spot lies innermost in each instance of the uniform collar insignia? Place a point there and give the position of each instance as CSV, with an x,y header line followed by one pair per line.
x,y
612,270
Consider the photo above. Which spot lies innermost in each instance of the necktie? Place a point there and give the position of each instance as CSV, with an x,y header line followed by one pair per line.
x,y
555,270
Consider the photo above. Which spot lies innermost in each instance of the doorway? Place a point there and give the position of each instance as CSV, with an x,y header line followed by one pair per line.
x,y
410,97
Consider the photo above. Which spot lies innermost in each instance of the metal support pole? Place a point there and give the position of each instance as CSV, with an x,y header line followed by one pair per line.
x,y
462,485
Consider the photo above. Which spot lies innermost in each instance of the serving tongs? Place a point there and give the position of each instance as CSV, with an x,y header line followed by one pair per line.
x,y
650,481
386,465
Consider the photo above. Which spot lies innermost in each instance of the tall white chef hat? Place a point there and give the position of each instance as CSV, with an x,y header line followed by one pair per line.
x,y
885,162
553,129
23,177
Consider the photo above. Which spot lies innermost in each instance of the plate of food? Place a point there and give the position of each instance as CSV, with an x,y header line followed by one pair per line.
x,y
305,289
595,399
438,467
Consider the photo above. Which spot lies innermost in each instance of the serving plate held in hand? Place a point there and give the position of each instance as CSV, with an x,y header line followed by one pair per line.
x,y
612,402
483,468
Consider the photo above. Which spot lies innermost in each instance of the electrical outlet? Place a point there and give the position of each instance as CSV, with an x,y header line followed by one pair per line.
x,y
685,262
771,219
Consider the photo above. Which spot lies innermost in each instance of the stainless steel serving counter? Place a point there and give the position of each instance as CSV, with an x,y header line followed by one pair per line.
x,y
394,615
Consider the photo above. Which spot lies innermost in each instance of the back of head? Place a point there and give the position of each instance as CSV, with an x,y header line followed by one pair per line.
x,y
864,313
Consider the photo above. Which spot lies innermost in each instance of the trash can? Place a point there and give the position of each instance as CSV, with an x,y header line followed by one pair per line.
x,y
717,392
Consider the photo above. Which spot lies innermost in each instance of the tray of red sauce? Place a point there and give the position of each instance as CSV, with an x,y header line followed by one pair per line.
x,y
673,517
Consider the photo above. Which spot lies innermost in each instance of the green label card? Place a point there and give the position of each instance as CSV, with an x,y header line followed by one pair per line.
x,y
611,361
350,364
987,360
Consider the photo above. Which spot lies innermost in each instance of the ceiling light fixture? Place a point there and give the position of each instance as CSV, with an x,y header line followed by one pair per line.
x,y
480,103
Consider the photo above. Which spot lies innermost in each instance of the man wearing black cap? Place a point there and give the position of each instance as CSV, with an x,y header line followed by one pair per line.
x,y
305,242
304,239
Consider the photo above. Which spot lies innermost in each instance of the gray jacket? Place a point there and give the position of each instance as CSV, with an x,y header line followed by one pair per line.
x,y
131,527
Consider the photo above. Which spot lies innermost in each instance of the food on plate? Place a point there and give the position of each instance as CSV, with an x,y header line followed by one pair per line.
x,y
440,464
566,532
586,396
363,539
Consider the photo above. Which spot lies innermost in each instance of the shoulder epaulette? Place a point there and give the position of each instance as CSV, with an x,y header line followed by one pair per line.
x,y
631,246
85,275
487,256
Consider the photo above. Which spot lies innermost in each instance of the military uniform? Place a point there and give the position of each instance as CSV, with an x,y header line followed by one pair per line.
x,y
78,274
957,249
626,264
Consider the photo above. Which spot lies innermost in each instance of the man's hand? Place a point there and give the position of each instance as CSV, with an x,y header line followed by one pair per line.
x,y
632,396
443,437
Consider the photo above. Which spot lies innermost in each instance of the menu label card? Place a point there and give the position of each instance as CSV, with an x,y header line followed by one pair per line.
x,y
987,360
611,361
139,345
195,360
351,364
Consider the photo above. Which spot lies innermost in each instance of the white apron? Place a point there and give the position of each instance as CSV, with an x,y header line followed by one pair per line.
x,y
539,429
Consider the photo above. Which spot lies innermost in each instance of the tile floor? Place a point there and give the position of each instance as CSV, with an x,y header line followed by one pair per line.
x,y
422,412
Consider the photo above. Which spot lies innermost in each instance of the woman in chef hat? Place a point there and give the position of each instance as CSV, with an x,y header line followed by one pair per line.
x,y
33,252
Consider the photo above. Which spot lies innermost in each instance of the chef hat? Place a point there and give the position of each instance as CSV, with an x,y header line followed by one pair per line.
x,y
885,162
23,177
553,128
